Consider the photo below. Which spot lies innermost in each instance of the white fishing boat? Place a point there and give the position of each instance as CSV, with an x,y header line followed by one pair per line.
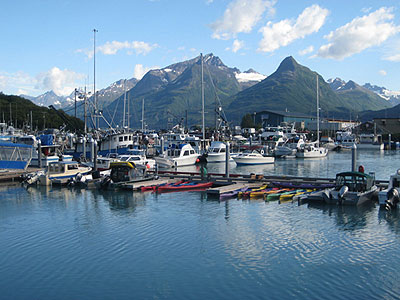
x,y
62,172
311,150
184,155
253,158
216,152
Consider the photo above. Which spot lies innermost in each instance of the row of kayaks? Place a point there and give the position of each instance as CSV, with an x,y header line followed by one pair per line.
x,y
177,186
268,193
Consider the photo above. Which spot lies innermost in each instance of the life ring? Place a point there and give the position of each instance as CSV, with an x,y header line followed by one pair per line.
x,y
361,169
262,151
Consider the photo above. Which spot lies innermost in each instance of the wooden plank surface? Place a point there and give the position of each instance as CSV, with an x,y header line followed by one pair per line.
x,y
231,187
138,185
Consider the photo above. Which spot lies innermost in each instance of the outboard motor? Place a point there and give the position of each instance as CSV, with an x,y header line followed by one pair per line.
x,y
342,192
392,199
105,182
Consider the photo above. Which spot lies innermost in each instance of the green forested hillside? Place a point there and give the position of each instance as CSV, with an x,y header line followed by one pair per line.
x,y
16,110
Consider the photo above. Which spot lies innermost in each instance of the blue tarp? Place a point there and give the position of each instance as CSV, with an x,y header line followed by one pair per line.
x,y
7,164
46,139
8,144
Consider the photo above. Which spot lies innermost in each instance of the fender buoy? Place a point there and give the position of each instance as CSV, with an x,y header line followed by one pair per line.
x,y
361,169
262,151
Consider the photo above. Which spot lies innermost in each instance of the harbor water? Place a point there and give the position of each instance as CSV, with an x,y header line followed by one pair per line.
x,y
60,243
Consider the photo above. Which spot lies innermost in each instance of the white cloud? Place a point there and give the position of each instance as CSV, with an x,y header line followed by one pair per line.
x,y
62,82
394,57
111,48
276,35
140,70
361,33
208,2
382,72
12,82
241,16
236,46
306,50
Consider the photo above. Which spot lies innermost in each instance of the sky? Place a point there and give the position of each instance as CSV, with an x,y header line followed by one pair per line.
x,y
49,45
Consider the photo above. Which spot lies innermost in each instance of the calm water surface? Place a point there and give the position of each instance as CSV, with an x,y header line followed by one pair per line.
x,y
84,244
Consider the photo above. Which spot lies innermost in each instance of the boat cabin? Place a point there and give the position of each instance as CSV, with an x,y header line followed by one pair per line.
x,y
126,171
355,181
61,167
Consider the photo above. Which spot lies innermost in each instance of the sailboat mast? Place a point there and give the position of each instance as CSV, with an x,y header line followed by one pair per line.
x,y
123,118
202,98
94,79
317,113
142,115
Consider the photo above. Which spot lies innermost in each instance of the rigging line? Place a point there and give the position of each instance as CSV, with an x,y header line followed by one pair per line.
x,y
115,110
108,112
216,95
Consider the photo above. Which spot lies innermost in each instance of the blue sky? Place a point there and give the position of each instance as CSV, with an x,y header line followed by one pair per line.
x,y
48,45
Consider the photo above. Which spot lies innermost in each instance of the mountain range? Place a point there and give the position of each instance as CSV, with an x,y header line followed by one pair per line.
x,y
173,93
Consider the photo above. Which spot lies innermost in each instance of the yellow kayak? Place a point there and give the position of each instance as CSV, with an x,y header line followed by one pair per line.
x,y
249,191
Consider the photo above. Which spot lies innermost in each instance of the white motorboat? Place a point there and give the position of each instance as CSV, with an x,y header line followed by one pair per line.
x,y
253,158
290,147
216,152
138,156
184,155
387,197
311,150
62,172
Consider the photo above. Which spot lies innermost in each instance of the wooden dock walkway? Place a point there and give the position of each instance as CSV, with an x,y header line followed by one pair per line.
x,y
135,186
217,191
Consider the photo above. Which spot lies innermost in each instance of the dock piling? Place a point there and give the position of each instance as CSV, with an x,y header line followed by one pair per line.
x,y
354,158
227,160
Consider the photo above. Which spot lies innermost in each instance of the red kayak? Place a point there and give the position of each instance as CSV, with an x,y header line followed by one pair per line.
x,y
184,186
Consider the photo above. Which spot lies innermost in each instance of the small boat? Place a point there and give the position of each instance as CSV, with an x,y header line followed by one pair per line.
x,y
184,155
184,186
351,188
122,173
389,197
139,158
216,152
253,158
62,172
311,150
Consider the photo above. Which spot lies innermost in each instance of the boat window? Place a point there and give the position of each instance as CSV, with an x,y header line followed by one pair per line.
x,y
120,138
177,152
115,139
130,138
191,151
223,150
125,138
72,167
186,153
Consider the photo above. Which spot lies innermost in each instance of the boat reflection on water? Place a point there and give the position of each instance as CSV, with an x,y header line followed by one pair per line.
x,y
124,199
347,217
391,218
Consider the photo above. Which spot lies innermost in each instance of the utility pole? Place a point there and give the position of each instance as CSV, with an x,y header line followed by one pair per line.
x,y
10,115
31,122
